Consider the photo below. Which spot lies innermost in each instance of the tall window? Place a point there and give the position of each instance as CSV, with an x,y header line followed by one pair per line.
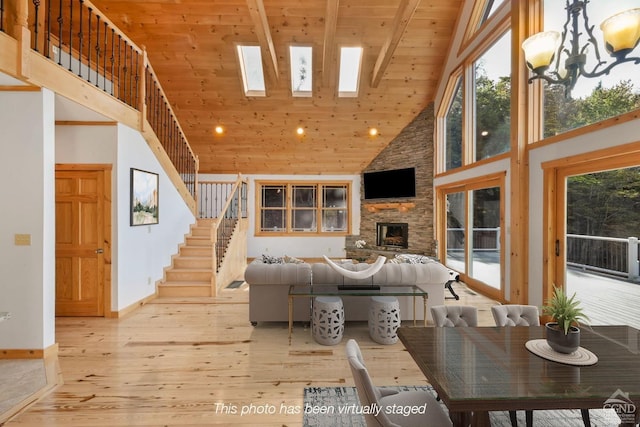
x,y
453,135
492,76
592,99
303,208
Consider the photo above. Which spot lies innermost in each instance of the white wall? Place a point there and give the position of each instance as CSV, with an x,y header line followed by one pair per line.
x,y
597,140
27,273
298,246
139,254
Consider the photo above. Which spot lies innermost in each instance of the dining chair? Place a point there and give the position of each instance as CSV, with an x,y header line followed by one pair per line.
x,y
370,395
523,315
515,315
454,315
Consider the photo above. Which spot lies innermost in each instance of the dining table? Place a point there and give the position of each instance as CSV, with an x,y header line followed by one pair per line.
x,y
475,370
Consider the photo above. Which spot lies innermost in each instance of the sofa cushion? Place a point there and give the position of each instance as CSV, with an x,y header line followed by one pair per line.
x,y
259,273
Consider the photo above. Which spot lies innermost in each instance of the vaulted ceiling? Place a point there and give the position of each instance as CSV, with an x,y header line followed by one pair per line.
x,y
191,45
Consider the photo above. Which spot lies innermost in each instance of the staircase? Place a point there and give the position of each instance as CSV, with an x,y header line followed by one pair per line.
x,y
191,273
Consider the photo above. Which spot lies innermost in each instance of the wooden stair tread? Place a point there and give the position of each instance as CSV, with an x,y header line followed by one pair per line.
x,y
184,284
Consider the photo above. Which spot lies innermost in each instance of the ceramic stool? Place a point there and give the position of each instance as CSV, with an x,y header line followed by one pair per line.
x,y
384,319
327,320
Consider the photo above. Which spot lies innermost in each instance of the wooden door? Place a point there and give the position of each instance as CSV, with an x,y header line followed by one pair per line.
x,y
80,199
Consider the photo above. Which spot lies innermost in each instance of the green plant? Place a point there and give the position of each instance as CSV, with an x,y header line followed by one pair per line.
x,y
564,310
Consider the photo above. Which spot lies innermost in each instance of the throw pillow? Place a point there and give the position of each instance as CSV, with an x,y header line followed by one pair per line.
x,y
292,260
268,259
412,259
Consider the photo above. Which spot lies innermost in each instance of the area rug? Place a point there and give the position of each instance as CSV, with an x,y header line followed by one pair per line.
x,y
335,401
19,379
235,284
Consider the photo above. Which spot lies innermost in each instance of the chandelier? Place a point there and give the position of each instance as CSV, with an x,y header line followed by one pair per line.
x,y
621,33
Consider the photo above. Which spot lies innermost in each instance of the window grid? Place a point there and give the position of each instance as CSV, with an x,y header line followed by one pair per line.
x,y
303,208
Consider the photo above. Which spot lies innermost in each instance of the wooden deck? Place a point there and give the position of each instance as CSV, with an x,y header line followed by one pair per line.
x,y
606,300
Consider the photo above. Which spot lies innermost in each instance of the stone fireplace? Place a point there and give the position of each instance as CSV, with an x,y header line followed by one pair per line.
x,y
392,234
413,147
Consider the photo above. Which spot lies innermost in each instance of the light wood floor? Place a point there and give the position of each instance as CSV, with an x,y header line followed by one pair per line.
x,y
172,363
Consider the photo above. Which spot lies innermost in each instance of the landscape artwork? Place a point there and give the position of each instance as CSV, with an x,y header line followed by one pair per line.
x,y
144,197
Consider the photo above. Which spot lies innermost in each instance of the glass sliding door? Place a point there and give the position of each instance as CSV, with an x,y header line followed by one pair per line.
x,y
601,244
472,233
455,234
485,236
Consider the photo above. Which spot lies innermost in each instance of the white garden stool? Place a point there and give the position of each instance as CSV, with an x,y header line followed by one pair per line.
x,y
327,324
384,319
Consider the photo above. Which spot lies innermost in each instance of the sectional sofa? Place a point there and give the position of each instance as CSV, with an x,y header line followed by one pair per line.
x,y
269,287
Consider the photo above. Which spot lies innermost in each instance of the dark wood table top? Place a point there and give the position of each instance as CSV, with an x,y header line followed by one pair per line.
x,y
489,368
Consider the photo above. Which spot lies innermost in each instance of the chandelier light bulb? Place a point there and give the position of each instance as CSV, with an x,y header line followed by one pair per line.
x,y
539,50
621,32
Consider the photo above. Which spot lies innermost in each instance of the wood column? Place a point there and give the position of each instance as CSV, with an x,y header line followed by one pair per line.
x,y
519,177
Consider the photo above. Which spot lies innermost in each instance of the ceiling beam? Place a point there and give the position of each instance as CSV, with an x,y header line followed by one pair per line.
x,y
405,11
329,48
259,18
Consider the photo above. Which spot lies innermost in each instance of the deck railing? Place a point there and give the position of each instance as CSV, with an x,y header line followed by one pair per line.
x,y
610,255
77,36
484,239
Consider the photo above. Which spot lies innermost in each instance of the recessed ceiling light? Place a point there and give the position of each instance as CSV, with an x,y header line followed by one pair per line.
x,y
373,132
300,130
219,130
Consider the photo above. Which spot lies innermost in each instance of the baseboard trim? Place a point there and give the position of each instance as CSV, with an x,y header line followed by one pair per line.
x,y
8,353
130,308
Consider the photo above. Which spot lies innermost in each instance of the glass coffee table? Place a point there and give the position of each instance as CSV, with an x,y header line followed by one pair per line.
x,y
322,290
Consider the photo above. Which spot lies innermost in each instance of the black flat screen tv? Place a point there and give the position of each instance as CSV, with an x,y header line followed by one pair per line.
x,y
389,184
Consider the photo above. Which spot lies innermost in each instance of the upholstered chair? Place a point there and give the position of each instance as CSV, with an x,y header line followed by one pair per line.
x,y
454,315
515,315
369,395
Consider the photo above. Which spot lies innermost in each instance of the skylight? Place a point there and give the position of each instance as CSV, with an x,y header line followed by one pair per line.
x,y
350,62
301,70
251,66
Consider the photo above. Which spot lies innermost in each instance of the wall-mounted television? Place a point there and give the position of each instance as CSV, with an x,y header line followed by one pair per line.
x,y
388,184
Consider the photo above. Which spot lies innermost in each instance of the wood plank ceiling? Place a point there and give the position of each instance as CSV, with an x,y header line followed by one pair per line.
x,y
192,47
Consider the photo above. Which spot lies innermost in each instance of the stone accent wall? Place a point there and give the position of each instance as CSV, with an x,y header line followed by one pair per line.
x,y
413,147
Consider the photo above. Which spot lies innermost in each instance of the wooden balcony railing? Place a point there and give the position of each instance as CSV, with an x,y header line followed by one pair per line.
x,y
77,36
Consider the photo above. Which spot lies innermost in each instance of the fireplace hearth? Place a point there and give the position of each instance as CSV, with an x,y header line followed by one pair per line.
x,y
392,234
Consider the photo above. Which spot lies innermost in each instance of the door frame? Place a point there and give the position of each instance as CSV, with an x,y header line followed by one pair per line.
x,y
554,221
467,186
106,171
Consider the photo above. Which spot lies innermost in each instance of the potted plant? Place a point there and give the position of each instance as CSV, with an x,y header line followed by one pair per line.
x,y
563,334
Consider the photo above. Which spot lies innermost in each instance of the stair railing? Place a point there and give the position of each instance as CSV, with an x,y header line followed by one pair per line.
x,y
77,36
231,212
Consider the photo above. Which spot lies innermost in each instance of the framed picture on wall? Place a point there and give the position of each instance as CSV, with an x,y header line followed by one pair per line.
x,y
144,197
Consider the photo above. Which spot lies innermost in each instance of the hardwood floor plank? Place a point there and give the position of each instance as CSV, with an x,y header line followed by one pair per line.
x,y
172,363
